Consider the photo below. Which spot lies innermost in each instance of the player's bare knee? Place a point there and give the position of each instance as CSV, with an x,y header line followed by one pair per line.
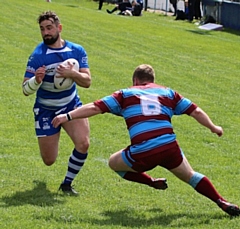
x,y
111,163
82,147
48,162
85,146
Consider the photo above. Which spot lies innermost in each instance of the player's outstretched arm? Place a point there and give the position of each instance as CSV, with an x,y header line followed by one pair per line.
x,y
204,120
85,111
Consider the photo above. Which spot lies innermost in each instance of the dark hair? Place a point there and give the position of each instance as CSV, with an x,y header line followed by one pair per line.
x,y
48,15
144,73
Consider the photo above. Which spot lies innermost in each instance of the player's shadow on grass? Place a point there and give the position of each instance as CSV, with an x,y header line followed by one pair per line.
x,y
39,196
147,218
73,6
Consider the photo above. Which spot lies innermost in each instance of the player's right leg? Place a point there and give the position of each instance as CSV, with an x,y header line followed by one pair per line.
x,y
125,168
117,163
49,148
48,136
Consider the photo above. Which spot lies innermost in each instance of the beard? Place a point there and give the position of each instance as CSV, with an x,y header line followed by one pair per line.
x,y
51,40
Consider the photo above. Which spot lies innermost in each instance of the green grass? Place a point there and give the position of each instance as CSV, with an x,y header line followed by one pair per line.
x,y
201,65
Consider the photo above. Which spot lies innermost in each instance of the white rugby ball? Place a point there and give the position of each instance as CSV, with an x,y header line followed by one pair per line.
x,y
61,82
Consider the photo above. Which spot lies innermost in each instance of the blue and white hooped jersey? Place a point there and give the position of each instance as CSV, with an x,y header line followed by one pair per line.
x,y
48,95
147,111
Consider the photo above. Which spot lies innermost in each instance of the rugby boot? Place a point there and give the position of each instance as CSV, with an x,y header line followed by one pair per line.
x,y
68,189
160,183
231,209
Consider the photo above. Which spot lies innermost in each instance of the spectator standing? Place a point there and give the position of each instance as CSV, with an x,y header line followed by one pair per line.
x,y
197,10
174,4
100,4
191,10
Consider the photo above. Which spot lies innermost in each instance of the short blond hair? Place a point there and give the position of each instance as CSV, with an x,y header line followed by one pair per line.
x,y
144,73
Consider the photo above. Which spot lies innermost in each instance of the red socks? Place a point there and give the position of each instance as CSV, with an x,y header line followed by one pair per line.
x,y
206,188
142,178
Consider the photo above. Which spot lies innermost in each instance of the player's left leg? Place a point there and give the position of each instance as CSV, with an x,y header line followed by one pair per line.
x,y
203,186
124,169
78,130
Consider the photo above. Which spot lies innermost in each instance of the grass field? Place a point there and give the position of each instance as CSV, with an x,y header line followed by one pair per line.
x,y
201,65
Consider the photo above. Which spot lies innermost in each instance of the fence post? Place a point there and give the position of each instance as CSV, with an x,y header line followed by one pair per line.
x,y
166,7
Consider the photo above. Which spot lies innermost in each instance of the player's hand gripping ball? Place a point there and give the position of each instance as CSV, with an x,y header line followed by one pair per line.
x,y
61,82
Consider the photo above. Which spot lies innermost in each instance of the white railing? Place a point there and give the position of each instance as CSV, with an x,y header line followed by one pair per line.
x,y
164,5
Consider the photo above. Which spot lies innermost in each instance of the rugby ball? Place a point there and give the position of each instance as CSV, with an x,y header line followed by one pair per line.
x,y
61,82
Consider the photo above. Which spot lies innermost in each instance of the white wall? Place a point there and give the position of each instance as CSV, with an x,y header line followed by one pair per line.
x,y
164,5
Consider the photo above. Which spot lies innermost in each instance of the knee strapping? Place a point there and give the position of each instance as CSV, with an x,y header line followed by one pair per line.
x,y
195,179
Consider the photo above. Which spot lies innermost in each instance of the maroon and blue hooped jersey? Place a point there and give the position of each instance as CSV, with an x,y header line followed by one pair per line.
x,y
147,111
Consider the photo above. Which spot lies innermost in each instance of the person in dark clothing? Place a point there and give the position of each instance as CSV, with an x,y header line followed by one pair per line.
x,y
122,7
197,10
141,3
100,4
136,9
174,4
191,9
